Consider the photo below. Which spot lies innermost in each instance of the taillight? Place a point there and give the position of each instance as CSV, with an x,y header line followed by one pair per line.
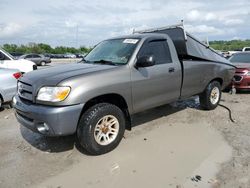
x,y
17,75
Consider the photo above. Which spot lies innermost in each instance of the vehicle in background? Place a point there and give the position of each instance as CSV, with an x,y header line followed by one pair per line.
x,y
57,56
69,55
96,97
226,54
246,49
80,55
16,55
242,75
38,59
8,86
230,53
9,62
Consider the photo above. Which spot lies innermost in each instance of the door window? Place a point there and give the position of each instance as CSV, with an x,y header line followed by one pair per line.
x,y
36,56
29,56
159,49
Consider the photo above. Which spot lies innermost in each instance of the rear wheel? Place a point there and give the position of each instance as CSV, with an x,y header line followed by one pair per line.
x,y
101,128
1,102
210,98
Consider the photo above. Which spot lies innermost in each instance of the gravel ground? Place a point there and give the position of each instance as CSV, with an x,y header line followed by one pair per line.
x,y
236,172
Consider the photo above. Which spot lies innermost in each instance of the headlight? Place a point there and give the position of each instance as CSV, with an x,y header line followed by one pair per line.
x,y
53,94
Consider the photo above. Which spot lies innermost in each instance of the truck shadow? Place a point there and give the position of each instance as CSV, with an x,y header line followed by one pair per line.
x,y
164,110
48,144
61,144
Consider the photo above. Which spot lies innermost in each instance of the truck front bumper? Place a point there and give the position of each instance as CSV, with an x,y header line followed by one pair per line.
x,y
47,120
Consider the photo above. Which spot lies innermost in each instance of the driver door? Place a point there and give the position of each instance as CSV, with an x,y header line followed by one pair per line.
x,y
159,84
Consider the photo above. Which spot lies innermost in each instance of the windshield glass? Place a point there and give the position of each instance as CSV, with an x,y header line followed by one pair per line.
x,y
8,54
240,58
114,51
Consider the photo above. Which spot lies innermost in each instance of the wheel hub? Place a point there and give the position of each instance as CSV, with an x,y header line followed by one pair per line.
x,y
106,130
215,95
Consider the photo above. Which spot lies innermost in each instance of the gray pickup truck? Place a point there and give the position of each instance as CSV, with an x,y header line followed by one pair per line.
x,y
96,97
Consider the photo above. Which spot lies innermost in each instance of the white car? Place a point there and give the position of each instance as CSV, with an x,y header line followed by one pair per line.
x,y
246,49
8,61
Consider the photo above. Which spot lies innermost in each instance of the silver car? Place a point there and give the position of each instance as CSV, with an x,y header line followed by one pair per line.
x,y
38,59
8,84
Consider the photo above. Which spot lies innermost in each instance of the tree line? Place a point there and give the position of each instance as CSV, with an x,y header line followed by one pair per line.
x,y
42,48
229,45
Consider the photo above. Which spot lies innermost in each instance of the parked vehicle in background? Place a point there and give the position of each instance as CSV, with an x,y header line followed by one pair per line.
x,y
8,84
120,77
16,55
80,55
38,59
58,56
242,75
69,55
8,61
246,49
230,53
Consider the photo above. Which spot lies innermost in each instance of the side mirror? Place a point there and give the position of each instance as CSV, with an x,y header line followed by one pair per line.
x,y
145,61
2,57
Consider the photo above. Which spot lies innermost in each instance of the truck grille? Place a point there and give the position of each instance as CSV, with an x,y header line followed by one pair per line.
x,y
24,91
238,78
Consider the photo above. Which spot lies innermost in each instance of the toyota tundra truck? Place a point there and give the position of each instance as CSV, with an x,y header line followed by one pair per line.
x,y
121,76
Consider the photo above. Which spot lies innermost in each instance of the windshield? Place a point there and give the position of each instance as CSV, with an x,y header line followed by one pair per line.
x,y
114,51
240,58
8,54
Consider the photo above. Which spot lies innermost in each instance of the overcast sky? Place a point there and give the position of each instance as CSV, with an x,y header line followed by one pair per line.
x,y
62,22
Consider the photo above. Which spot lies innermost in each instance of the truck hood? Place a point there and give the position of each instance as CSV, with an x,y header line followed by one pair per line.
x,y
54,75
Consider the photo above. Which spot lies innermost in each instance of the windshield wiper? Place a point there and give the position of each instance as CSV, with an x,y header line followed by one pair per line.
x,y
102,61
83,61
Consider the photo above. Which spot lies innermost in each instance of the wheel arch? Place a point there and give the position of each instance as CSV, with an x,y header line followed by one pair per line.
x,y
111,98
1,100
218,79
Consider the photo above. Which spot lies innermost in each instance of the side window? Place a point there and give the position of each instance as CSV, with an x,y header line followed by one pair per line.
x,y
29,56
159,49
36,56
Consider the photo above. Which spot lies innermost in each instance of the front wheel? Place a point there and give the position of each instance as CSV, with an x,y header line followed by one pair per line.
x,y
210,98
42,63
101,128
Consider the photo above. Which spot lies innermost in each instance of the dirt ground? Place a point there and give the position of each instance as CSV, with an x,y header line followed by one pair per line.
x,y
176,145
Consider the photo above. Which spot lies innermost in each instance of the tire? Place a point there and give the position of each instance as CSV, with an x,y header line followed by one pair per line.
x,y
210,98
42,63
93,136
1,102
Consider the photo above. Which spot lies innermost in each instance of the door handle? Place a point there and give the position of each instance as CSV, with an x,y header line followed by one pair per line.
x,y
171,69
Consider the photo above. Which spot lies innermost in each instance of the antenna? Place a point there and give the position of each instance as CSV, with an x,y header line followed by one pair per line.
x,y
133,32
76,35
207,42
185,34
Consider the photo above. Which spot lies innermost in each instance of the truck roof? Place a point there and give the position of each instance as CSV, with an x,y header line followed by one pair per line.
x,y
187,46
141,36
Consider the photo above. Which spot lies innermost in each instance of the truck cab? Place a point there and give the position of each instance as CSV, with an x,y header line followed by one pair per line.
x,y
9,62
